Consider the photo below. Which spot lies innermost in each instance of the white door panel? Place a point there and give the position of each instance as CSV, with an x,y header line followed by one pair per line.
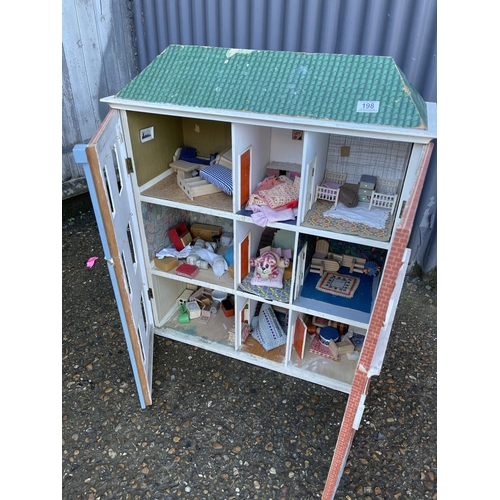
x,y
107,157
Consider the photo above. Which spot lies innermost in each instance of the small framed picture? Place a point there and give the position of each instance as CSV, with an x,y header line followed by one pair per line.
x,y
147,134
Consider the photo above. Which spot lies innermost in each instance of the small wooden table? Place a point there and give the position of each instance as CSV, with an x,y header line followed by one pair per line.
x,y
184,168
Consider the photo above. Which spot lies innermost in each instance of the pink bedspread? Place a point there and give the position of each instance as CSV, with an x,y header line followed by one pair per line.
x,y
275,199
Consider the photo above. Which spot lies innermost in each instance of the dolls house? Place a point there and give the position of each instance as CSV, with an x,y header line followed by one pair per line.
x,y
316,160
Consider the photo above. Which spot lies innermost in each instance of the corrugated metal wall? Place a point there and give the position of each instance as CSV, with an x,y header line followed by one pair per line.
x,y
98,59
403,29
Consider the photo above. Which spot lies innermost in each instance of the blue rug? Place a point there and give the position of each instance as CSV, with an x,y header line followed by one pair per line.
x,y
361,301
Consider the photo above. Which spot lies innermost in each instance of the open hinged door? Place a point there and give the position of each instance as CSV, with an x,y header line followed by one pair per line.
x,y
385,331
111,191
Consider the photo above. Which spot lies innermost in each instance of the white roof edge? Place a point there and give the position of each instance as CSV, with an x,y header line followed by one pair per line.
x,y
310,124
432,119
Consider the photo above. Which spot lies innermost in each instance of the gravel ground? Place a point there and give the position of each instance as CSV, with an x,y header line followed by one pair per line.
x,y
223,429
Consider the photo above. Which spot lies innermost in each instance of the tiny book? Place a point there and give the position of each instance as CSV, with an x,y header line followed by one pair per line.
x,y
187,270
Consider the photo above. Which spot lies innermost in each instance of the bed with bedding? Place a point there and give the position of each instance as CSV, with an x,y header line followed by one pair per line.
x,y
200,176
360,221
337,208
275,199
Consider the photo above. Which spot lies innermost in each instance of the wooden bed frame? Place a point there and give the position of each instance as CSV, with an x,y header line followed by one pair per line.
x,y
196,186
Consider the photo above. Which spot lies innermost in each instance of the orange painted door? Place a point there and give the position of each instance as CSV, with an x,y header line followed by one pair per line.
x,y
299,338
244,177
244,256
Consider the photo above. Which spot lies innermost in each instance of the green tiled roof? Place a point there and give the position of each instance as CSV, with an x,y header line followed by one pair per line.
x,y
296,84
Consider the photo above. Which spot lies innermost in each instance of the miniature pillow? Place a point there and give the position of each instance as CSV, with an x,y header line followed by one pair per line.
x,y
348,196
276,282
267,329
219,176
189,155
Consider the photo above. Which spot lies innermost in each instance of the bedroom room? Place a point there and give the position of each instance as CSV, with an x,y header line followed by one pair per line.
x,y
359,189
270,187
170,153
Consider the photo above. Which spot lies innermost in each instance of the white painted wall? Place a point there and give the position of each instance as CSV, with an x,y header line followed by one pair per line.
x,y
284,148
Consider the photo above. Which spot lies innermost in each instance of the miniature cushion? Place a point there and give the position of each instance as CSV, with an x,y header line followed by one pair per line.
x,y
219,176
267,292
276,282
348,196
189,154
267,329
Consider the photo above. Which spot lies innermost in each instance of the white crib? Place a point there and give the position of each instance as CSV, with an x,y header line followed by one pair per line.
x,y
330,194
385,194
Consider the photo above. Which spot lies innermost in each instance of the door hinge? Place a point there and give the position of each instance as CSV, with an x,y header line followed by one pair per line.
x,y
150,294
402,209
128,164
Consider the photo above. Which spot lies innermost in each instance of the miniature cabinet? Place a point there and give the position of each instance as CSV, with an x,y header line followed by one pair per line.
x,y
322,121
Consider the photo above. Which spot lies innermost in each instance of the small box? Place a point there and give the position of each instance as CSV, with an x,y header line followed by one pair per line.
x,y
186,239
187,270
227,308
167,263
205,315
367,182
184,297
205,231
193,309
180,236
